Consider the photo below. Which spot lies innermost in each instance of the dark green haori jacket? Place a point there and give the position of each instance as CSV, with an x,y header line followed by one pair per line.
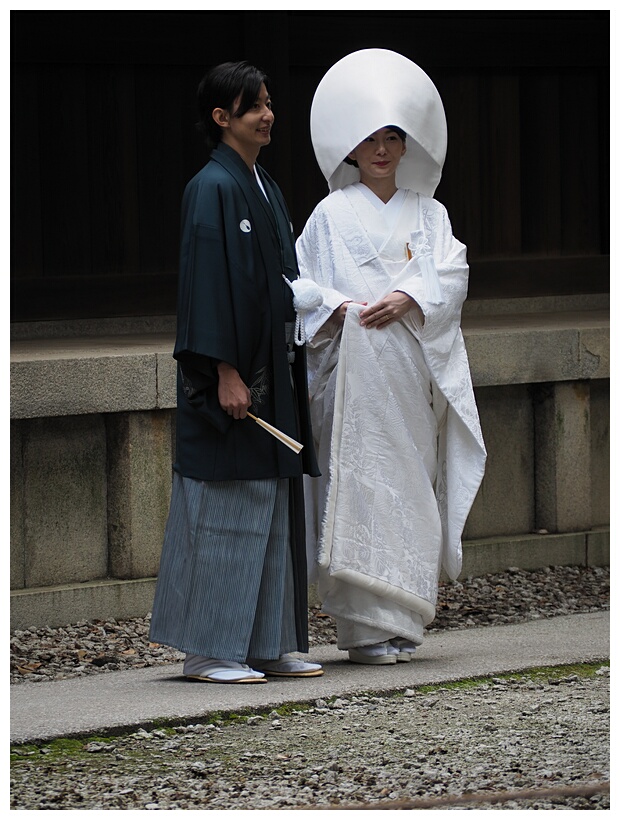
x,y
233,305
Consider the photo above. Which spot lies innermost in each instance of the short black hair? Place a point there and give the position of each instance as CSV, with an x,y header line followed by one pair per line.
x,y
394,128
220,87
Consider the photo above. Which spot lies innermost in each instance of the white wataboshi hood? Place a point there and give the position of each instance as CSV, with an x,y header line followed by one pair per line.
x,y
366,91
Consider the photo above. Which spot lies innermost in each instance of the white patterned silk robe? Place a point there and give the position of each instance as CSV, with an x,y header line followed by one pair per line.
x,y
393,412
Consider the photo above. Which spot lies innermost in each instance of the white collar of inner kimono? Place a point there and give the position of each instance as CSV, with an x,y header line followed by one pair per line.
x,y
366,91
260,183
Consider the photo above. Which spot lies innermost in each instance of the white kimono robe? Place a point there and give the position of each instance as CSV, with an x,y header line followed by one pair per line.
x,y
393,412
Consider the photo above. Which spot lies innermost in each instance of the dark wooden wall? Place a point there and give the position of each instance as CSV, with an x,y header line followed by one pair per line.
x,y
103,142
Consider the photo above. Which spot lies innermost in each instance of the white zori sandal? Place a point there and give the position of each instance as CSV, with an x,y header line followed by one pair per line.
x,y
212,670
376,654
287,666
406,649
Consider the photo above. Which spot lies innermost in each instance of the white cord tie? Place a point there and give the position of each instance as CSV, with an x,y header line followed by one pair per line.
x,y
307,296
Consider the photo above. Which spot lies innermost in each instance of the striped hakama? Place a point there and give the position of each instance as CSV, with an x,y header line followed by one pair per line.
x,y
225,588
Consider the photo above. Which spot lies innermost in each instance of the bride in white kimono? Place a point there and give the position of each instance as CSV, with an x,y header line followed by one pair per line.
x,y
393,411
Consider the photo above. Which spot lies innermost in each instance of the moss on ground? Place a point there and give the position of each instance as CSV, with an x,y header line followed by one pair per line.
x,y
75,747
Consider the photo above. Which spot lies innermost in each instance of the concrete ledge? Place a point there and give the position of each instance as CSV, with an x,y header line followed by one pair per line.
x,y
533,348
63,605
533,551
598,548
73,377
108,374
69,604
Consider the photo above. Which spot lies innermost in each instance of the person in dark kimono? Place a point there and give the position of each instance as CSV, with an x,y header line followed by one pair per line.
x,y
232,585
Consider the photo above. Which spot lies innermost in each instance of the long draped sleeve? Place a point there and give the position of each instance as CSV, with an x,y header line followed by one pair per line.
x,y
318,259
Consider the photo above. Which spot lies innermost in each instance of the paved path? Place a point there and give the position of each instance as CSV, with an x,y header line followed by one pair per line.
x,y
122,700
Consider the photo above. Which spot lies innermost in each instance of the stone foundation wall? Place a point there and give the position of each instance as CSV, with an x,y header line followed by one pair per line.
x,y
92,441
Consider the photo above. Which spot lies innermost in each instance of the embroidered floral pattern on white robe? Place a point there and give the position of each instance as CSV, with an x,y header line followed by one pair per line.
x,y
393,412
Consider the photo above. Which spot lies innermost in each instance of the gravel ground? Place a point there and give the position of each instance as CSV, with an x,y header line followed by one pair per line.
x,y
95,647
537,740
530,741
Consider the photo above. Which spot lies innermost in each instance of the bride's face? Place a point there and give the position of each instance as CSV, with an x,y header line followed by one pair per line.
x,y
379,154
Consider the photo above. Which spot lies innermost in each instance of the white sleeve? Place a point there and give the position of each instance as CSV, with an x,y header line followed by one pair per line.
x,y
450,258
316,262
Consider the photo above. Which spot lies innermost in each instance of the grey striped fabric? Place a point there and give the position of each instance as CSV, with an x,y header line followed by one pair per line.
x,y
225,586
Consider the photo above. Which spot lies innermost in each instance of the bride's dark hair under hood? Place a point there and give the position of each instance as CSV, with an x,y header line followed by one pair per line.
x,y
394,128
